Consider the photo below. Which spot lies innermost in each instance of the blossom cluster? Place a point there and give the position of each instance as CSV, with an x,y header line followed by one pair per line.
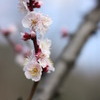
x,y
38,61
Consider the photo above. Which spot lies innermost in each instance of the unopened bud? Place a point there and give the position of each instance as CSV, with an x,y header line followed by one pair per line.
x,y
25,36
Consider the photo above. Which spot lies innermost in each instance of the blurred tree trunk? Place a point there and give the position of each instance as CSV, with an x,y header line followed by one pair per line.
x,y
50,84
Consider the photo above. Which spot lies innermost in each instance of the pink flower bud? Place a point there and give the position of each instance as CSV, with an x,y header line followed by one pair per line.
x,y
33,34
38,4
26,36
6,32
9,30
64,33
18,48
45,69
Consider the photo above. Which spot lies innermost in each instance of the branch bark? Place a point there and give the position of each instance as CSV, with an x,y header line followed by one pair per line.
x,y
50,83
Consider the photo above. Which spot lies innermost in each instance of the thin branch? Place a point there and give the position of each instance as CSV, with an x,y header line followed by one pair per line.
x,y
36,47
33,90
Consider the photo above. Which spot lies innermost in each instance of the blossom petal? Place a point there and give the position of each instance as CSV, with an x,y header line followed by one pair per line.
x,y
28,75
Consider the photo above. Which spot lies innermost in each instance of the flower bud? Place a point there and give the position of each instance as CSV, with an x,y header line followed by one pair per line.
x,y
18,48
25,36
64,33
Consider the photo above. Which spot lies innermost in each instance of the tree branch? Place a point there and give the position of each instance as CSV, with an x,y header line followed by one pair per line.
x,y
35,84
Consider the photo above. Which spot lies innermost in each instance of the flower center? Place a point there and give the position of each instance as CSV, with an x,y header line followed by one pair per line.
x,y
34,22
34,71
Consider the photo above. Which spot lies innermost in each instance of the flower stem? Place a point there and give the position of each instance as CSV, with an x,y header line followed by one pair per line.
x,y
30,5
33,90
36,47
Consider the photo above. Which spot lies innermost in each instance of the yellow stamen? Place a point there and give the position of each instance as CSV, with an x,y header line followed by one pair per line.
x,y
34,22
34,71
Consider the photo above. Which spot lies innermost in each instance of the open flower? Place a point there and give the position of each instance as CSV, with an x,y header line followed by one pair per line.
x,y
50,65
23,5
37,22
47,64
44,45
42,59
44,55
33,70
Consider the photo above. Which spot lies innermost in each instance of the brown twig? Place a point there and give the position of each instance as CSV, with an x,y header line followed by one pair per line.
x,y
33,90
36,47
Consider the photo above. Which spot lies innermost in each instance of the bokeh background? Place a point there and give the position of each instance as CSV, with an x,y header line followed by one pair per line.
x,y
83,82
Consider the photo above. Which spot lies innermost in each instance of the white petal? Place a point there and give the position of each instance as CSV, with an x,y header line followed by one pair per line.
x,y
51,69
25,4
50,64
28,75
36,79
43,62
26,22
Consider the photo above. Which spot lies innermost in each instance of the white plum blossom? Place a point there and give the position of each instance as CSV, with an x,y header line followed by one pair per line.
x,y
46,62
23,5
32,70
50,66
44,55
45,45
37,22
42,59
